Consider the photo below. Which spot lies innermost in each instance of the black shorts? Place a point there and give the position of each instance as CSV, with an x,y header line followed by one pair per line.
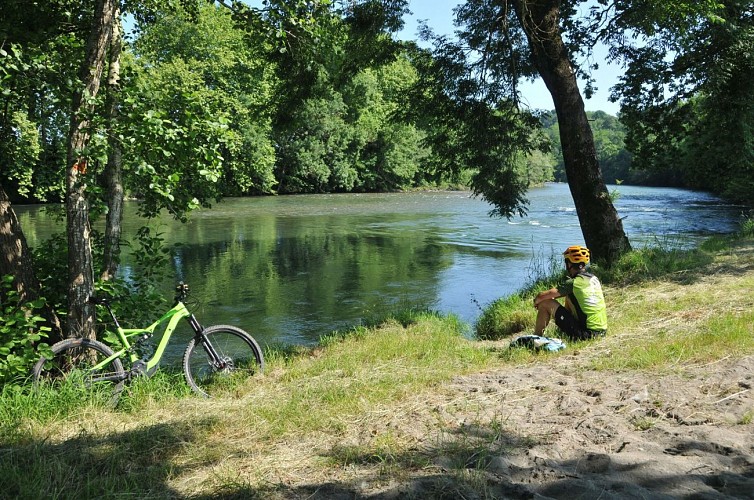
x,y
570,326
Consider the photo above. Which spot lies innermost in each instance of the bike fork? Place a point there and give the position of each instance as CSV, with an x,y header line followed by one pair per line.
x,y
217,361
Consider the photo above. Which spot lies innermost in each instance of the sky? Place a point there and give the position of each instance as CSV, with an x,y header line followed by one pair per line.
x,y
439,16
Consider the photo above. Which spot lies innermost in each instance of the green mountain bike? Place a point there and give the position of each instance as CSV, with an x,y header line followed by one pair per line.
x,y
214,358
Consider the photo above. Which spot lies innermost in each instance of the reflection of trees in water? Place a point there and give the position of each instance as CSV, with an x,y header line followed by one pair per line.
x,y
307,267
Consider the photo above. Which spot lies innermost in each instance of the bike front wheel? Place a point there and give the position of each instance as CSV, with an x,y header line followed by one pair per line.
x,y
82,364
220,358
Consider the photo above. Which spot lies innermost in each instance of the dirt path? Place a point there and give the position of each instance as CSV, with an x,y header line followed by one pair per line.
x,y
592,435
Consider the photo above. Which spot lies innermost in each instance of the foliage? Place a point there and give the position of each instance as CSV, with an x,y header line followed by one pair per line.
x,y
326,111
50,267
468,132
336,127
136,296
348,140
202,72
318,144
685,97
34,119
21,333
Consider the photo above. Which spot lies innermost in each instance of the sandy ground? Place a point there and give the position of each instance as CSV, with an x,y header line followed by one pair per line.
x,y
555,432
684,435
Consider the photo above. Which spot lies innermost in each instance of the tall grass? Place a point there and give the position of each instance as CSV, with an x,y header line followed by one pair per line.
x,y
747,225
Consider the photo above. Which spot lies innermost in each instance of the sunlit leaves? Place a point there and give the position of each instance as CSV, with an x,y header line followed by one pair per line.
x,y
208,61
686,96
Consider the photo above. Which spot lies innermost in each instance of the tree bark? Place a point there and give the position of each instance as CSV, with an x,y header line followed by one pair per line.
x,y
600,225
113,170
16,261
80,272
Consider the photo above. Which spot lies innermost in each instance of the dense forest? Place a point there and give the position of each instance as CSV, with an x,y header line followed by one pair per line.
x,y
178,103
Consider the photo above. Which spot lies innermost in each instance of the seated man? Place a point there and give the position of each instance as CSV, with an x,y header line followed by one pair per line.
x,y
584,315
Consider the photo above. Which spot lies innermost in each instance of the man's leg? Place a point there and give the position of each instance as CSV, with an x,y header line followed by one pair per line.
x,y
545,311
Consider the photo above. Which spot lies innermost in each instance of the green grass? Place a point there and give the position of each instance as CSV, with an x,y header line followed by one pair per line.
x,y
706,342
365,367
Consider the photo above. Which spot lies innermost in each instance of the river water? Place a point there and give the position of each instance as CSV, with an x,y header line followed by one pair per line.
x,y
290,269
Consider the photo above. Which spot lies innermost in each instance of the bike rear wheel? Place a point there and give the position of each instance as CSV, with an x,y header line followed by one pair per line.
x,y
240,357
71,366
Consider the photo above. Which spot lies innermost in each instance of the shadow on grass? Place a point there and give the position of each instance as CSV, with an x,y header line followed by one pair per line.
x,y
478,460
132,464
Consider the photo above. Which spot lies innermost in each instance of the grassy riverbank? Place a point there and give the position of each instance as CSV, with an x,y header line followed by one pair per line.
x,y
412,408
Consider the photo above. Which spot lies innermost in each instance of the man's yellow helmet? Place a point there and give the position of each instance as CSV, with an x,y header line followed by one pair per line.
x,y
577,254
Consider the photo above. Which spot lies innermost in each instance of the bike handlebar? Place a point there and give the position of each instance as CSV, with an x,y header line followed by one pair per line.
x,y
181,291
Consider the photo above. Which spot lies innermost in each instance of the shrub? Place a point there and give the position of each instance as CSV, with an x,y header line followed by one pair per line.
x,y
20,333
747,226
505,317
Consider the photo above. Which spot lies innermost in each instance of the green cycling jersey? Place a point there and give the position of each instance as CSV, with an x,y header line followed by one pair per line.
x,y
585,298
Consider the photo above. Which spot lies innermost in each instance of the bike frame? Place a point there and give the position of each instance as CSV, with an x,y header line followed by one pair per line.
x,y
173,316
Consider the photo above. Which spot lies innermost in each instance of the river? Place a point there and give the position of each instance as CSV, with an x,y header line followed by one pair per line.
x,y
289,269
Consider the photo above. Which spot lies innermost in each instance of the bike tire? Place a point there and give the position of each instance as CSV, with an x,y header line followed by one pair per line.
x,y
240,352
69,367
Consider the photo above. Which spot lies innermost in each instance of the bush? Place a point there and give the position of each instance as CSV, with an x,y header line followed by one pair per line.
x,y
505,317
20,333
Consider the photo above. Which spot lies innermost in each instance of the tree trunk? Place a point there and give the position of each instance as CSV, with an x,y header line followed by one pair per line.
x,y
16,261
600,225
113,169
80,273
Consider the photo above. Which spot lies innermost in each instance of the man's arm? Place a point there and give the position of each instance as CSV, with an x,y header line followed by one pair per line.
x,y
552,293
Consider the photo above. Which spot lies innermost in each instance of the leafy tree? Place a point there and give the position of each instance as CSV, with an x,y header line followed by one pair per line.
x,y
314,154
336,128
229,80
685,96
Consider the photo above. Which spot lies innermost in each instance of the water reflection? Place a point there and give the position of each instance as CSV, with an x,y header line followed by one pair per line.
x,y
303,281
